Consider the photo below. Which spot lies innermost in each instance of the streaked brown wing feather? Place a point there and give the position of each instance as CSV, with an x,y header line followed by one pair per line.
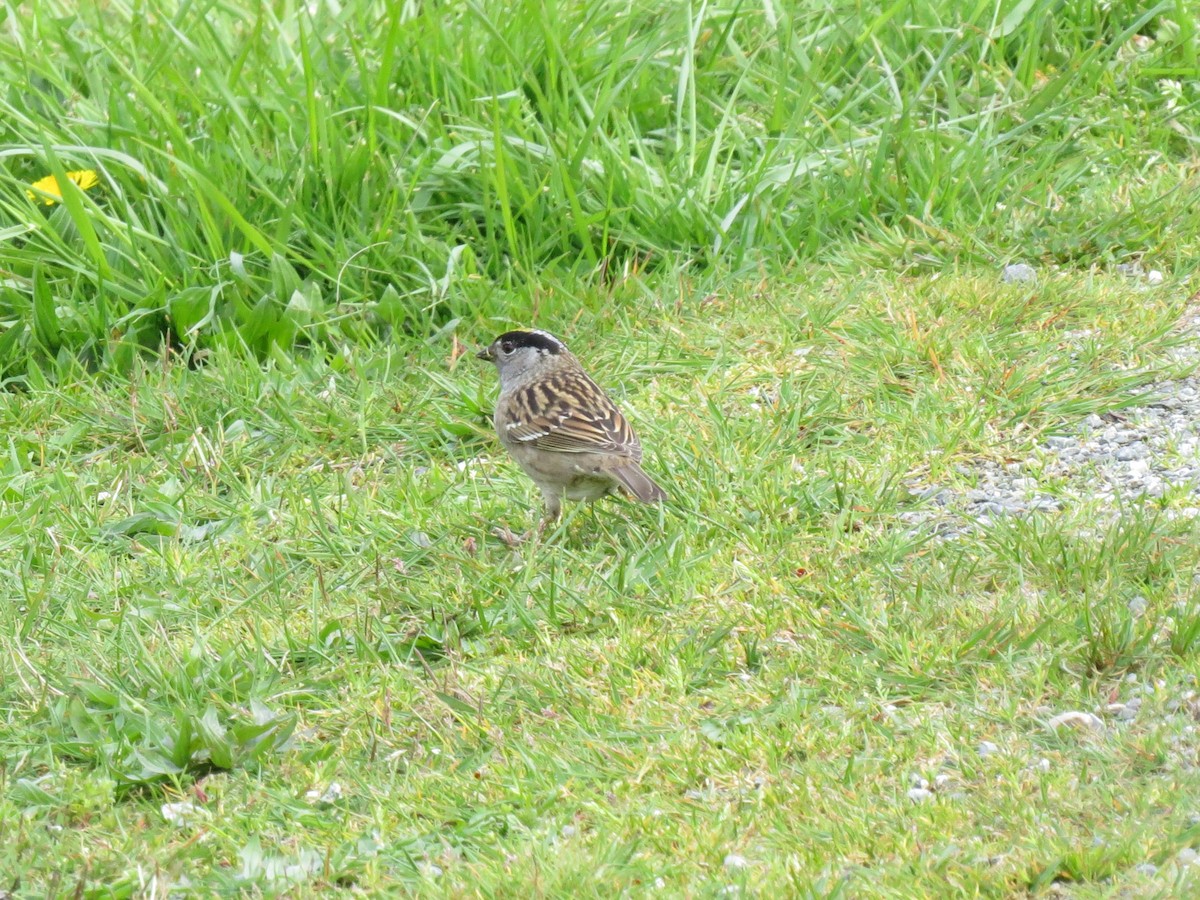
x,y
571,414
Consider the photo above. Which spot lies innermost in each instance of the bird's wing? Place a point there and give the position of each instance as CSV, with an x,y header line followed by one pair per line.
x,y
570,414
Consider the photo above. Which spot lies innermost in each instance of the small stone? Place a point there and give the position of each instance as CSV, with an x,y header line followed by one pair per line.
x,y
180,814
1129,713
987,748
1148,869
934,494
1058,442
1137,605
1154,277
331,794
1076,719
1129,270
568,831
1043,765
1187,856
920,795
1132,451
734,861
1018,273
1093,422
1155,487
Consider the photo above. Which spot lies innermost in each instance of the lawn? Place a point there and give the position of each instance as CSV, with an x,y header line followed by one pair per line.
x,y
258,635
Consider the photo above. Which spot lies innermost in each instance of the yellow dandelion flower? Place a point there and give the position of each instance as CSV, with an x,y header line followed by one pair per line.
x,y
49,191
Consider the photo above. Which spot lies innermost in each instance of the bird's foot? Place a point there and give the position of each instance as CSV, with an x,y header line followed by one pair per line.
x,y
510,540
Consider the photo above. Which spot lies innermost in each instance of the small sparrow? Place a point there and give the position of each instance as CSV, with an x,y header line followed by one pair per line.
x,y
561,428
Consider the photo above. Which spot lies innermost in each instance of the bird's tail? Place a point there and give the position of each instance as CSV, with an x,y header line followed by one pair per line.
x,y
639,484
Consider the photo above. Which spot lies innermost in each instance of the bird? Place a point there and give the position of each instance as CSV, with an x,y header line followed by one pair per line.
x,y
561,427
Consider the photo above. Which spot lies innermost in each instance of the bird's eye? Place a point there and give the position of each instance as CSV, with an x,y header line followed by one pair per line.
x,y
507,347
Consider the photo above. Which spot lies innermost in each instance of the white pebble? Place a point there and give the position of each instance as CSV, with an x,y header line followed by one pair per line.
x,y
920,795
181,813
1018,273
734,861
1154,277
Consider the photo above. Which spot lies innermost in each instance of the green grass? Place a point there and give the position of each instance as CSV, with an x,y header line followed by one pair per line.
x,y
248,486
239,584
331,173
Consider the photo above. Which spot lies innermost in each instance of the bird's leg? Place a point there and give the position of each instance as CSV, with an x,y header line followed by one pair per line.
x,y
553,509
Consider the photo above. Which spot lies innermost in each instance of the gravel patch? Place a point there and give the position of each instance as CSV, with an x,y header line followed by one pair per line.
x,y
1138,453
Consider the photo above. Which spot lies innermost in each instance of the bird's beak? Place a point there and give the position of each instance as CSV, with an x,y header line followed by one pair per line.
x,y
485,353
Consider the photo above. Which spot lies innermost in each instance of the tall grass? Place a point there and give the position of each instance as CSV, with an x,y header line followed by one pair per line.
x,y
334,172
